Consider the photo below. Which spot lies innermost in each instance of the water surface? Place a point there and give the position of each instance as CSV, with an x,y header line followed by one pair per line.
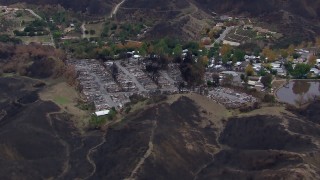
x,y
298,92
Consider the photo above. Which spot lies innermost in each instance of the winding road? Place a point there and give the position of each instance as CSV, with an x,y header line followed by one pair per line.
x,y
83,30
116,8
148,152
34,14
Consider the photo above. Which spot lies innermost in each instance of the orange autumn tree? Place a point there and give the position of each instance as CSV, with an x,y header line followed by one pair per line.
x,y
269,53
312,60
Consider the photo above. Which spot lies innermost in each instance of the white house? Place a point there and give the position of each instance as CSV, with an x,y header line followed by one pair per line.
x,y
102,113
136,56
315,71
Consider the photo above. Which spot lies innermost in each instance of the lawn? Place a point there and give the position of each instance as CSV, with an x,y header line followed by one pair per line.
x,y
39,39
61,100
97,27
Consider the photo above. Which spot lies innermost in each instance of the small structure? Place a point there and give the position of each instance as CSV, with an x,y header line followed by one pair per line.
x,y
315,71
234,74
231,43
257,66
136,56
102,113
219,24
276,65
280,71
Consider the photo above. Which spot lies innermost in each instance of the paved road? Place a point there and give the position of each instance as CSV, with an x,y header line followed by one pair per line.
x,y
104,92
116,8
83,30
224,34
34,14
133,78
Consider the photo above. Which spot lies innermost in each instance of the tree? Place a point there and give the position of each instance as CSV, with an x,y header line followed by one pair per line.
x,y
262,72
269,53
143,49
225,49
296,55
114,71
245,79
92,32
215,79
238,55
212,52
181,85
288,66
161,47
290,50
249,70
242,76
97,121
70,74
284,53
266,80
192,71
301,70
57,34
312,60
177,50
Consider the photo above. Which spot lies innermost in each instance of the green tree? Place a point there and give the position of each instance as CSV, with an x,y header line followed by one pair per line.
x,y
143,50
266,80
57,34
239,55
161,47
177,50
97,121
212,52
301,70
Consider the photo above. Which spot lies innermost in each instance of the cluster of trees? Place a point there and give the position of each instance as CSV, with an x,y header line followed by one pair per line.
x,y
35,28
32,60
193,69
234,54
7,39
123,31
300,71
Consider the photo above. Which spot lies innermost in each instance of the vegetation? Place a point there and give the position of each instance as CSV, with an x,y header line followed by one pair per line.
x,y
266,80
7,39
35,28
249,70
300,71
32,60
97,121
192,71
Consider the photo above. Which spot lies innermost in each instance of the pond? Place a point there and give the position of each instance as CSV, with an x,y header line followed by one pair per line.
x,y
298,92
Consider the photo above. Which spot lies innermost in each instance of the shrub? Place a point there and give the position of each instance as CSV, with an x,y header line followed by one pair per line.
x,y
269,98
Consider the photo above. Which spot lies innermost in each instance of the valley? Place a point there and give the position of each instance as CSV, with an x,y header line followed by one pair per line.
x,y
145,89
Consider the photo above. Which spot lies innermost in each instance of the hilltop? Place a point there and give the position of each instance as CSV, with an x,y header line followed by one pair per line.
x,y
298,19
